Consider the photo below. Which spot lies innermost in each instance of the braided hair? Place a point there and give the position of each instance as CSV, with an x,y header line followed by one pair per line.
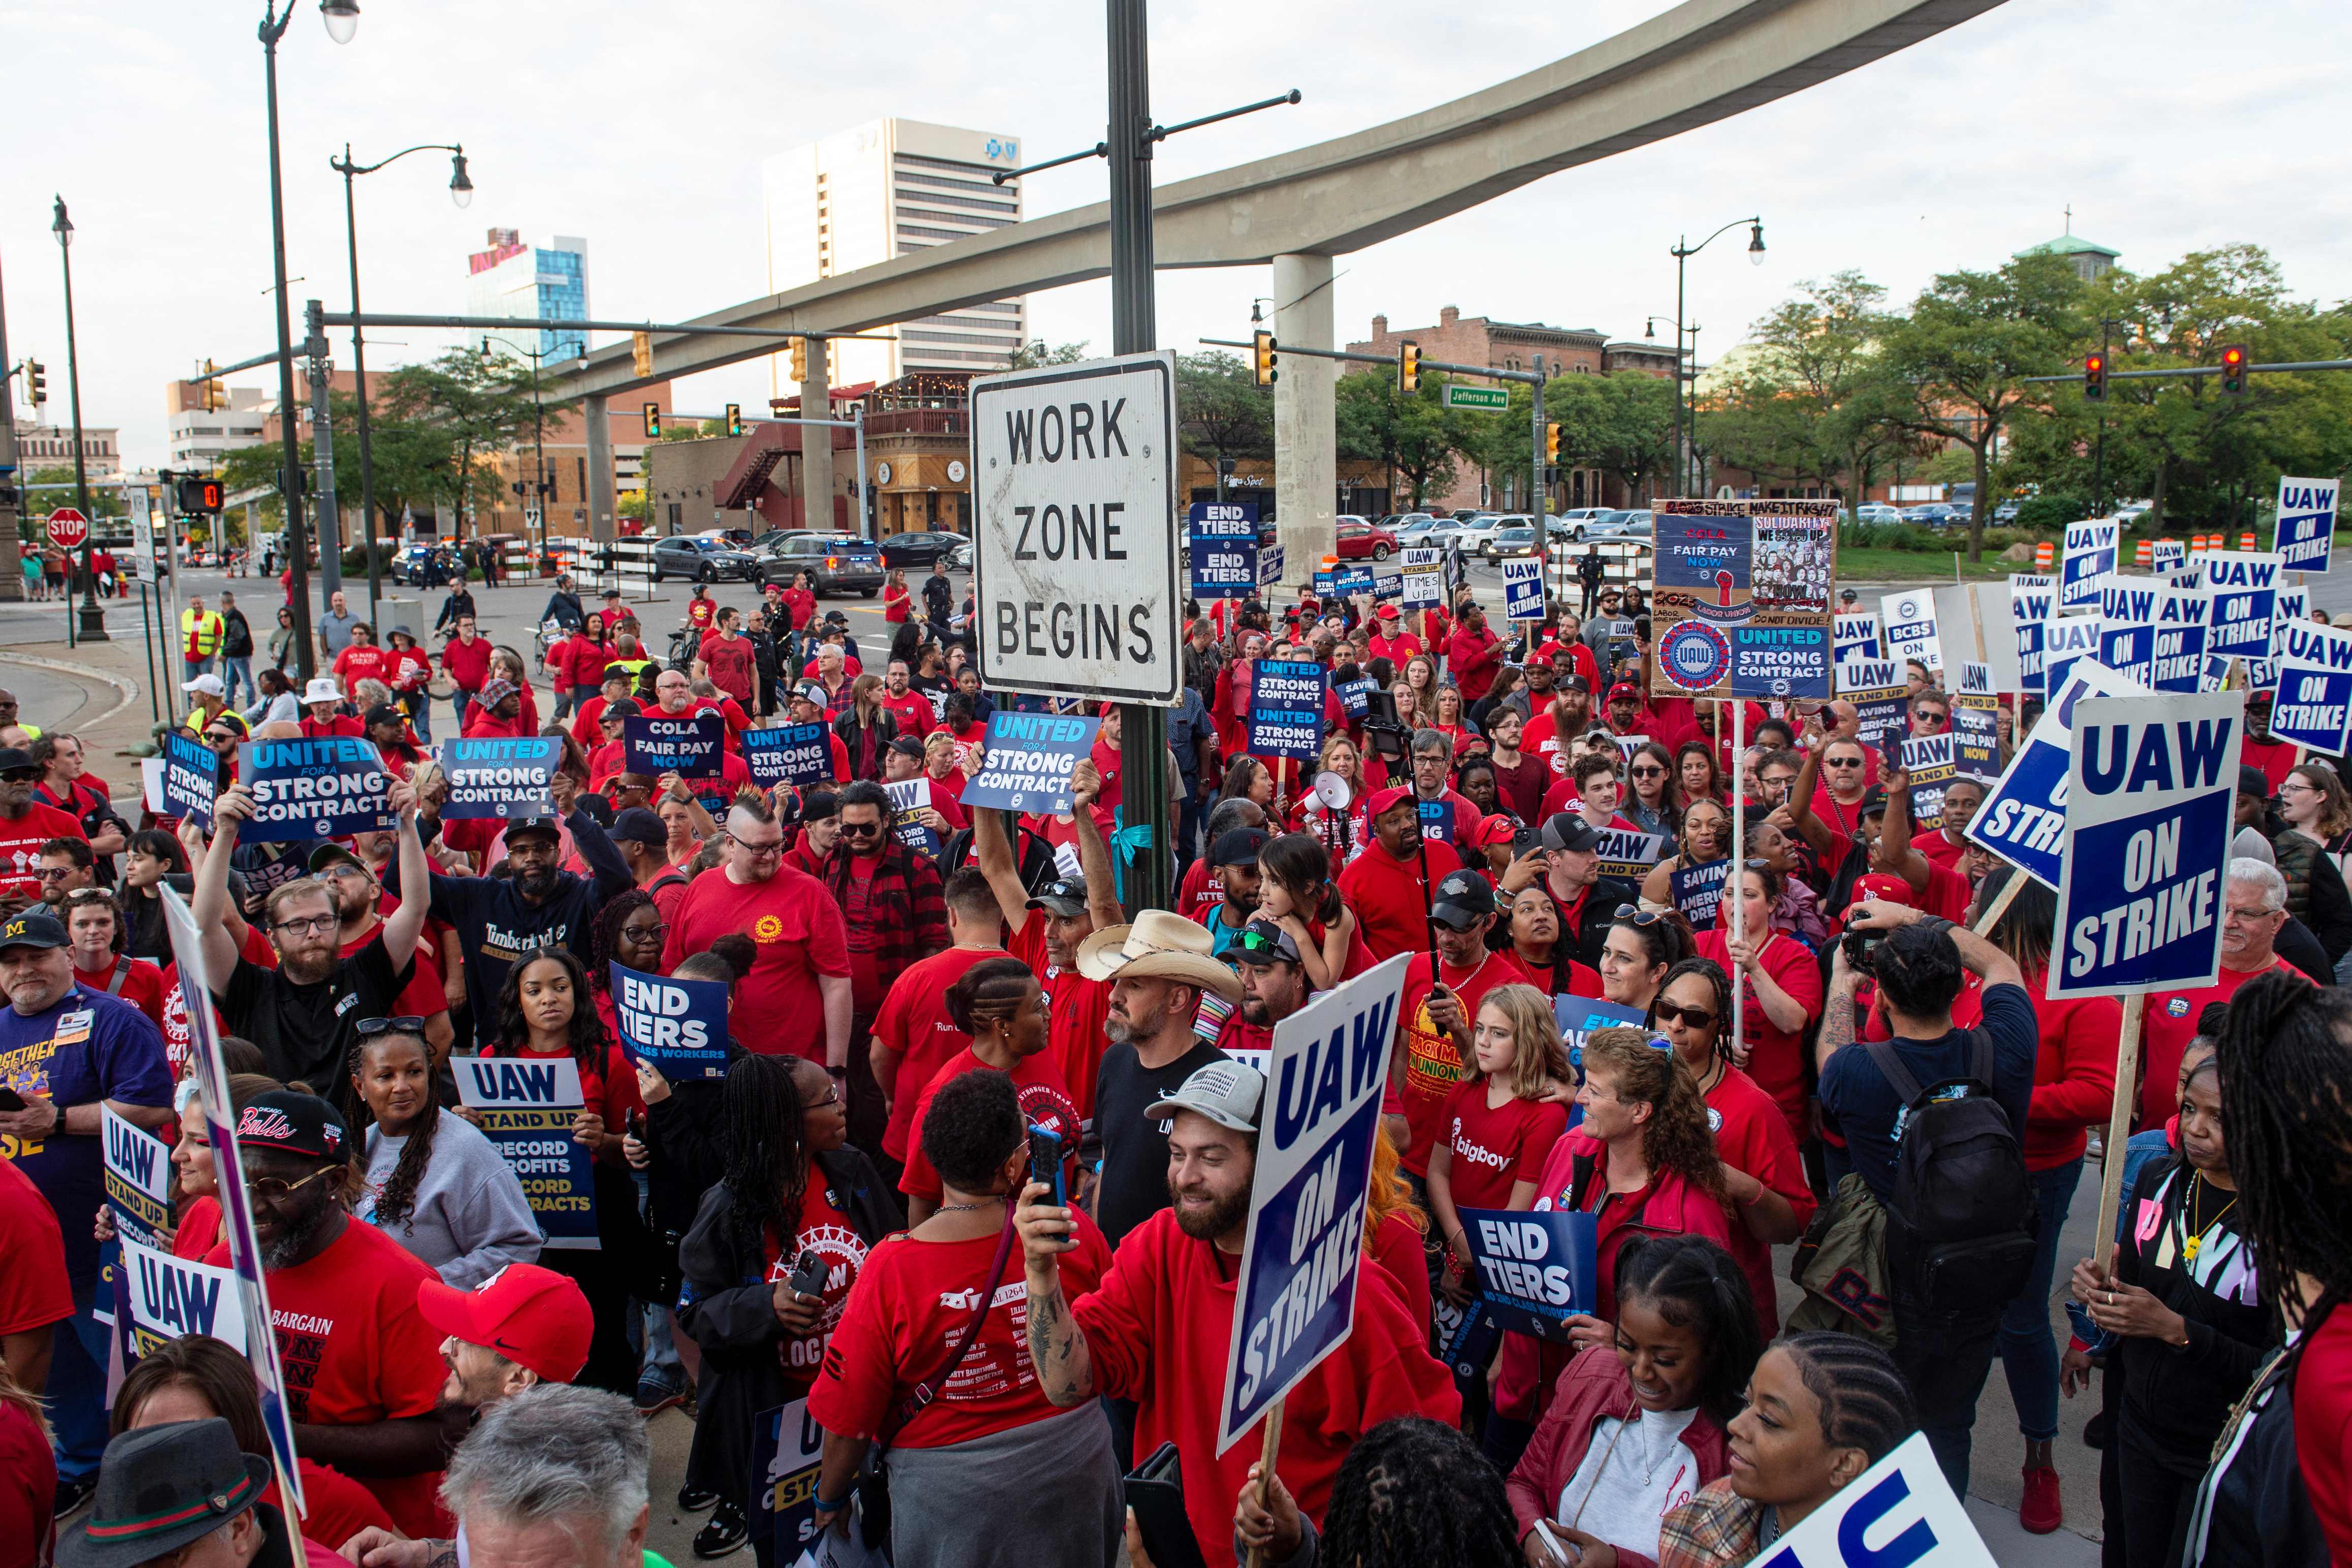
x,y
990,991
1692,1283
585,1032
398,1199
1414,1492
2286,1099
1865,1403
1678,1137
605,936
763,1134
1709,971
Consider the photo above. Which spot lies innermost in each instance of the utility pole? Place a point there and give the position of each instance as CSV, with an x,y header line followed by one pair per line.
x,y
11,474
323,449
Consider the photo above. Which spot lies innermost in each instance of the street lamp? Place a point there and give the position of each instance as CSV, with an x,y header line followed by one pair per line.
x,y
461,191
1682,253
93,618
342,19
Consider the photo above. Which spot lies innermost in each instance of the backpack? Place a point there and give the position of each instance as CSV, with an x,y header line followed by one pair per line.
x,y
1961,1222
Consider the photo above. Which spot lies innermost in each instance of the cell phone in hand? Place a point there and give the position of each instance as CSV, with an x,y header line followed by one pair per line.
x,y
636,1122
10,1100
1045,1162
807,1278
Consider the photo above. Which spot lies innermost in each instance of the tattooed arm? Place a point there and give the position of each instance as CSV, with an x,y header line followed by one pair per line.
x,y
1837,1010
1058,1346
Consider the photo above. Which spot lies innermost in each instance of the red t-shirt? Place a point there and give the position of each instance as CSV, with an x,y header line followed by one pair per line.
x,y
798,931
826,1231
2323,1430
468,665
142,985
914,1023
2074,1072
1776,1057
424,996
734,665
199,1230
911,1304
1044,1103
34,1291
1431,1066
1390,901
356,664
1492,1149
20,845
1752,1136
355,1350
912,712
1079,1007
701,611
2167,1026
28,1481
1198,896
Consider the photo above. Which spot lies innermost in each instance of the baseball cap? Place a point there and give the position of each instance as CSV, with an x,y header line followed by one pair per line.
x,y
1065,896
1385,801
621,708
1882,885
1463,898
1263,942
1574,683
813,691
293,1123
1624,688
819,805
34,928
1238,847
534,1316
386,714
638,825
1227,1093
1566,833
1387,612
1847,595
1500,828
205,686
545,826
327,854
612,594
2253,781
907,746
15,759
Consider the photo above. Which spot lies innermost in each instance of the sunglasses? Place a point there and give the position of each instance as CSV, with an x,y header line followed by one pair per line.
x,y
1691,1017
1848,763
407,1024
1649,772
859,829
1255,941
21,776
269,1189
1638,915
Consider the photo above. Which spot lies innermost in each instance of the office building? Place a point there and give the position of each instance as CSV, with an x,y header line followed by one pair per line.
x,y
52,447
547,282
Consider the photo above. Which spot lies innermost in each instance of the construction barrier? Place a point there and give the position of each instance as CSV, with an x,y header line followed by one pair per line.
x,y
2246,539
626,563
2199,544
2045,555
1627,563
2146,555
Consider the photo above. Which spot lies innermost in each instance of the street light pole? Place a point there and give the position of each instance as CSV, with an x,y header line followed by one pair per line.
x,y
1682,253
93,618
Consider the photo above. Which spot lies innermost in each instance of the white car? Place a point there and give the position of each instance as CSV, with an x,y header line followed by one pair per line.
x,y
1877,511
1577,521
1473,532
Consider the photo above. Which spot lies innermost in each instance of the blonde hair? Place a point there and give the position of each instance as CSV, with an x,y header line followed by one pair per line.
x,y
1537,1055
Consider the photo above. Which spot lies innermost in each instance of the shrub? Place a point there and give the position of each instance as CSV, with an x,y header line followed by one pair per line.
x,y
2050,510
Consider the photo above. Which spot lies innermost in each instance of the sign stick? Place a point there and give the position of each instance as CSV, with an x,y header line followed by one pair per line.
x,y
2000,902
1265,1465
1281,783
1739,887
1428,900
2111,1155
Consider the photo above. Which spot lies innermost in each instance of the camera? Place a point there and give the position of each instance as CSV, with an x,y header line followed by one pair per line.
x,y
1860,946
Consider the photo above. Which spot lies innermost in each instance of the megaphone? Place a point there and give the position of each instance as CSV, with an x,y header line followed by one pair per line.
x,y
1331,790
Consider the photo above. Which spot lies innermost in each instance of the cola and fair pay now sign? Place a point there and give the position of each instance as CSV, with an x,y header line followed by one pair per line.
x,y
1075,555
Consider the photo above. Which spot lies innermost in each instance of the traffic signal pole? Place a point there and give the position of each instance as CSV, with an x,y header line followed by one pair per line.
x,y
11,476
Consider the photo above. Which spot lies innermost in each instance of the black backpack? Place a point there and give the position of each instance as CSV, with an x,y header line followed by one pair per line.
x,y
1961,1223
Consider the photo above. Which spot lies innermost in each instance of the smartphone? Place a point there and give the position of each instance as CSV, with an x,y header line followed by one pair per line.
x,y
1045,1162
10,1100
636,1122
807,1278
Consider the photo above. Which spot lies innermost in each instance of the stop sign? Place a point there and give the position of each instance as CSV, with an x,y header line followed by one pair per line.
x,y
67,528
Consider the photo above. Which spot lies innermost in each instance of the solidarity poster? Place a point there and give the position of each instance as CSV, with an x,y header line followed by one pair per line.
x,y
327,787
1976,732
1742,598
1285,717
1223,540
1535,1270
500,778
1028,761
678,1025
525,1108
190,778
796,754
688,747
2306,524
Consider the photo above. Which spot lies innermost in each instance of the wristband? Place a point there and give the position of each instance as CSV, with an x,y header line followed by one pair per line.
x,y
836,1505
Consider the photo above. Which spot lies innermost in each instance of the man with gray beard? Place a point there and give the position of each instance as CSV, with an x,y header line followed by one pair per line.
x,y
363,1369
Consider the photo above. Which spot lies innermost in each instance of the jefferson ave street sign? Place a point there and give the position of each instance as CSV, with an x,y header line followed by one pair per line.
x,y
1488,397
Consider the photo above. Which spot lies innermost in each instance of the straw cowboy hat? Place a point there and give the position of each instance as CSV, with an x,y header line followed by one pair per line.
x,y
1158,944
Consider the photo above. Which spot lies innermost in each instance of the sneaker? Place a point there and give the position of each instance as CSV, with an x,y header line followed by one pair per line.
x,y
72,1491
726,1532
654,1396
694,1500
2095,1431
2041,1511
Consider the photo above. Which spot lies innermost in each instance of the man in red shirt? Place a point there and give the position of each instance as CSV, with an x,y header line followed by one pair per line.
x,y
1437,1011
912,1036
322,712
732,661
2253,909
1390,642
1473,654
910,708
799,988
1554,728
1387,885
1159,1327
466,659
25,825
614,612
1447,816
361,658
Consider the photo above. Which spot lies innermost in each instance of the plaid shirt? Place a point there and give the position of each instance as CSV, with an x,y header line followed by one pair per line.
x,y
909,916
1716,1528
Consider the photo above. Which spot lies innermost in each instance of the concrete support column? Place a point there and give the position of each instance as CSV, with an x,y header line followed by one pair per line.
x,y
816,441
1306,457
593,410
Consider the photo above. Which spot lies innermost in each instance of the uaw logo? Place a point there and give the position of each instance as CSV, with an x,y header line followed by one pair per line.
x,y
1695,656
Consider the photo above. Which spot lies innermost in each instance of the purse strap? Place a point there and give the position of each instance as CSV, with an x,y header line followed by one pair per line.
x,y
928,1389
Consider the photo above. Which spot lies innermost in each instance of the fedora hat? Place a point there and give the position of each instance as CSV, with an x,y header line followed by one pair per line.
x,y
1158,944
160,1487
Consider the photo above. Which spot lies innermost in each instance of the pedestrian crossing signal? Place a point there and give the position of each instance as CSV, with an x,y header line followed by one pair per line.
x,y
653,421
2095,378
196,496
1262,358
1408,367
2233,371
734,419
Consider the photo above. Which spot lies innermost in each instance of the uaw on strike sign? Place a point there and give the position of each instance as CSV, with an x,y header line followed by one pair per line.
x,y
1075,559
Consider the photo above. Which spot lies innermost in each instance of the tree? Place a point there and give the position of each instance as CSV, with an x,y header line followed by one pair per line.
x,y
1220,409
406,457
478,406
1811,403
1623,424
1036,353
1411,436
105,496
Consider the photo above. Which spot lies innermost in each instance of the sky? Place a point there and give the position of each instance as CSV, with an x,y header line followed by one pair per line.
x,y
2168,125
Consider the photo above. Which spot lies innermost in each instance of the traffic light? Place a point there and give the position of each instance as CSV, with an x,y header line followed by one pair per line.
x,y
215,395
37,382
734,419
192,495
1262,357
2095,378
800,361
1551,441
653,421
641,351
2233,371
1408,367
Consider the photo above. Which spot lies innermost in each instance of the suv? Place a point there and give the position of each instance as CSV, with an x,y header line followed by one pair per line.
x,y
703,559
1358,539
836,562
1877,511
1472,529
1515,536
1575,521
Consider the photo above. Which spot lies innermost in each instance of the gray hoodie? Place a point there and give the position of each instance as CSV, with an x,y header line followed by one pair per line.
x,y
469,1218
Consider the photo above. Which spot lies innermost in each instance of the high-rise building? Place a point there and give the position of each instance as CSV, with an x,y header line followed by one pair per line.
x,y
514,280
883,189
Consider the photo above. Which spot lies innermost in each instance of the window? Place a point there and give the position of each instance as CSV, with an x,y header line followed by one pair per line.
x,y
906,228
1003,209
906,178
938,217
915,160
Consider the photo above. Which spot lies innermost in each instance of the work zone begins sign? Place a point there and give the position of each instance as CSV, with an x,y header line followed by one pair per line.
x,y
1074,567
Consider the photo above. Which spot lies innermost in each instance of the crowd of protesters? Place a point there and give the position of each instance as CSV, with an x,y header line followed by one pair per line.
x,y
929,1005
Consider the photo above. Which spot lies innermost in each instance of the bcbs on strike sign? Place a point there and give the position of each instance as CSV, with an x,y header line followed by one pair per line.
x,y
1074,571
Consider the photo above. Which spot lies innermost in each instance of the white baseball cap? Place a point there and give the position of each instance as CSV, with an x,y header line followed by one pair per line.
x,y
205,686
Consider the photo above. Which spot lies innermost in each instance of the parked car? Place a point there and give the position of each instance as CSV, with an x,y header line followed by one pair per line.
x,y
1936,514
2006,511
1409,526
919,548
702,559
2131,511
1517,537
1578,521
1358,539
1877,511
959,558
1471,532
1615,524
407,564
838,562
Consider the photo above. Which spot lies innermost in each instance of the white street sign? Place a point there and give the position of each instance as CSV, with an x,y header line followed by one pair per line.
x,y
1075,559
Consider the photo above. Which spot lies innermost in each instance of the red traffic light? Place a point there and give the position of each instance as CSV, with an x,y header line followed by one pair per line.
x,y
2233,370
2095,365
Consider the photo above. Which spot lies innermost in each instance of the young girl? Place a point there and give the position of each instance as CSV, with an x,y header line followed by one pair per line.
x,y
434,1182
1497,1126
1297,892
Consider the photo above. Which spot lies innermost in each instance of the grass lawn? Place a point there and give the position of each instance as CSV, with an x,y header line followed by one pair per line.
x,y
1918,566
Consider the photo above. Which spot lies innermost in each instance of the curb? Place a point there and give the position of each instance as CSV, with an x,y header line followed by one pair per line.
x,y
128,693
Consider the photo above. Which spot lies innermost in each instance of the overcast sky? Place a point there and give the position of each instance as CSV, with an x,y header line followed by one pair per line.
x,y
2169,124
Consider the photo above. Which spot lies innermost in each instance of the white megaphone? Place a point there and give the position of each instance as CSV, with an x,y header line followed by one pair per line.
x,y
1331,790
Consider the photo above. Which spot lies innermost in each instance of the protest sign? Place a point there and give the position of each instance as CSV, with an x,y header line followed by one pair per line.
x,y
1423,589
1902,1502
2127,628
2088,560
2306,524
1423,557
2170,555
1911,630
1630,855
2023,820
327,787
1881,701
2314,687
2288,606
1285,717
278,1412
1522,594
190,778
170,1298
1743,597
2148,810
1269,566
2244,585
1295,1302
1223,540
2065,640
140,1183
2216,674
1975,732
525,1109
1856,636
1698,890
1388,587
496,778
1028,761
908,797
688,747
1932,762
2030,600
1355,580
1326,585
2179,660
1355,699
1535,1268
787,1452
678,1026
796,754
1436,820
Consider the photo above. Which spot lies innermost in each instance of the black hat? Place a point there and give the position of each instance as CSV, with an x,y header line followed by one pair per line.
x,y
293,1123
612,594
1065,896
1238,847
818,805
1464,898
1565,832
1263,942
620,708
546,827
16,757
386,714
160,1487
2253,781
34,928
638,825
907,746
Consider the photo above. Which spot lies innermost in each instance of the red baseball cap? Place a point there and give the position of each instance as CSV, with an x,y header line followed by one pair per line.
x,y
1624,688
1882,885
534,1316
1386,800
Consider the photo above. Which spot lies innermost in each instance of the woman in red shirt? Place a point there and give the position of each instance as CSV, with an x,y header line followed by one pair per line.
x,y
1704,838
1780,981
1498,1126
1450,723
896,599
939,1310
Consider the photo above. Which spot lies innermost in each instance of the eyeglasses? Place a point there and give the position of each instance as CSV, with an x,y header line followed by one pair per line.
x,y
657,931
57,873
1638,915
83,896
1691,1017
301,923
407,1024
764,847
832,1097
269,1189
